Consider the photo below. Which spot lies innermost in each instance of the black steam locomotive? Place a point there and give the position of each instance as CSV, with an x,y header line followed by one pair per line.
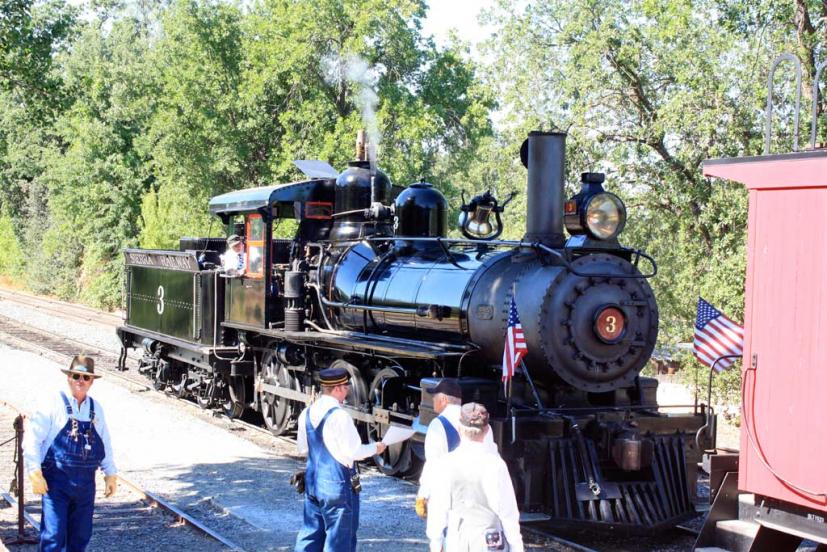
x,y
370,282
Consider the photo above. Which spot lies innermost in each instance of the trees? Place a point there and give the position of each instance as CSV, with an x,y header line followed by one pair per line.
x,y
31,97
154,108
648,90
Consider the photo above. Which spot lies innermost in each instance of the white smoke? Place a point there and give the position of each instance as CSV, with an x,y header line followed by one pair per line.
x,y
363,78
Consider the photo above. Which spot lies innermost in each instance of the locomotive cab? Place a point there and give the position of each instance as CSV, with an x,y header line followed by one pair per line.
x,y
253,301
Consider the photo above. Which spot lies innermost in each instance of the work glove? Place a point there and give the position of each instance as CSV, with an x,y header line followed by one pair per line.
x,y
111,485
421,506
39,486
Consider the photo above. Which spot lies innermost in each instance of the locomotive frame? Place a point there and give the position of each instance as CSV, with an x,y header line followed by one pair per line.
x,y
401,306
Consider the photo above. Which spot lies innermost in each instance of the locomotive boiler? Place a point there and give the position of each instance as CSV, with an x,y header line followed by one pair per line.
x,y
371,282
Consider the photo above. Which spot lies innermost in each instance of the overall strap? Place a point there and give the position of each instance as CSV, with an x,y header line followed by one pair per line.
x,y
91,410
66,404
326,416
309,424
451,433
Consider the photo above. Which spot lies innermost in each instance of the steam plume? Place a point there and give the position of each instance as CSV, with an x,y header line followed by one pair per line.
x,y
363,78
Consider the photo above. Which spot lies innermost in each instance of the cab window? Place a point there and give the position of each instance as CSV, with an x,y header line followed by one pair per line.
x,y
255,247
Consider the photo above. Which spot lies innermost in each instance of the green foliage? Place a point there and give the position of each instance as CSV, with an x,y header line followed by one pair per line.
x,y
11,255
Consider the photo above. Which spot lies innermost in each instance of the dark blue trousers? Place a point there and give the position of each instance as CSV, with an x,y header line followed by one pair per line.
x,y
329,526
66,523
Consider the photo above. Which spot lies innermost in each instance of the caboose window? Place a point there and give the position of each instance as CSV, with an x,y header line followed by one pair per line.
x,y
255,247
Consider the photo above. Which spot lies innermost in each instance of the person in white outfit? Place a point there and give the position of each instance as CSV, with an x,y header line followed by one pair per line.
x,y
443,435
472,507
232,260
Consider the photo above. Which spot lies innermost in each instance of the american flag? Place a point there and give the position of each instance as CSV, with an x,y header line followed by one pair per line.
x,y
716,336
515,347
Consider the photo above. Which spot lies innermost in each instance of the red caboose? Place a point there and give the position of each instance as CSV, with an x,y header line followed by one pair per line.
x,y
781,493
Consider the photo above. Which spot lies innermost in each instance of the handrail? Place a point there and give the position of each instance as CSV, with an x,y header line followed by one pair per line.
x,y
814,121
537,246
710,412
768,111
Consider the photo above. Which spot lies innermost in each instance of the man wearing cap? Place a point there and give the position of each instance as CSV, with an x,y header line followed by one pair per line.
x,y
66,441
328,436
472,507
232,260
443,435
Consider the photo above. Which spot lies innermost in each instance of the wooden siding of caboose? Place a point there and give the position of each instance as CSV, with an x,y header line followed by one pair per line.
x,y
784,371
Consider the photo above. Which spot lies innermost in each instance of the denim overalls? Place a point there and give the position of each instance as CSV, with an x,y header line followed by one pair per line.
x,y
331,507
69,469
451,434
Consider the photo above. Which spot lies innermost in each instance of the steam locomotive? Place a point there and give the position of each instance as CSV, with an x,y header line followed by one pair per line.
x,y
370,282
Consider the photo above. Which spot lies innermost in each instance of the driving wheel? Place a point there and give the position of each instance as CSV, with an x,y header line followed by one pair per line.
x,y
386,392
279,413
234,396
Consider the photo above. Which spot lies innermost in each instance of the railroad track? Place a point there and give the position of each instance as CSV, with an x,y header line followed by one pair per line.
x,y
65,310
61,349
134,518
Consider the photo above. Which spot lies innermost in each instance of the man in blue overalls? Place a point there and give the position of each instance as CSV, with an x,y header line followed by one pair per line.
x,y
66,441
329,438
442,436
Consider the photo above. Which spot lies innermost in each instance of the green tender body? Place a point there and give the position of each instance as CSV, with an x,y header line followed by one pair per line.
x,y
161,301
167,293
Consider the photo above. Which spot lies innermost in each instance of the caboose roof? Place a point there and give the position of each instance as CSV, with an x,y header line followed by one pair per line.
x,y
804,169
252,199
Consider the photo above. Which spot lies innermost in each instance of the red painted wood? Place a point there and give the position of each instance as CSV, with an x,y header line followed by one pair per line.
x,y
785,319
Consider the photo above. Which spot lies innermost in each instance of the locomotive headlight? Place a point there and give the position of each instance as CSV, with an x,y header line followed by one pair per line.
x,y
605,215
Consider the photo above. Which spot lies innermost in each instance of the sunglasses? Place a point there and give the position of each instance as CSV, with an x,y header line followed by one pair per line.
x,y
78,376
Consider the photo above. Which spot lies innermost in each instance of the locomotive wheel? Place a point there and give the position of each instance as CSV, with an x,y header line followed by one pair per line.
x,y
204,394
397,459
234,397
179,388
278,412
157,381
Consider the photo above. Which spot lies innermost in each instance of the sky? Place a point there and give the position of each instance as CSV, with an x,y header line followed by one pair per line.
x,y
462,15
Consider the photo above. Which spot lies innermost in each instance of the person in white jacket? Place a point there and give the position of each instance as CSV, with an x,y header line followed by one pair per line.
x,y
233,259
472,507
443,435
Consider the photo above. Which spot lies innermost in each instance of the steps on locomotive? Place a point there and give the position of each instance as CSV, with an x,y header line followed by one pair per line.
x,y
736,535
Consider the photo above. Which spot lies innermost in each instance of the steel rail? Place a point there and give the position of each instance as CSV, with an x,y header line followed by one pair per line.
x,y
79,312
182,516
559,540
26,514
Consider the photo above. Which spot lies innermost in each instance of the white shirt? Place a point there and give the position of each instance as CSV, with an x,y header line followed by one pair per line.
x,y
492,473
436,445
232,262
50,417
339,433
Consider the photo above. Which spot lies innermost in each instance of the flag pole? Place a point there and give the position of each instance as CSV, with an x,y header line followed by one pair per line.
x,y
508,408
531,383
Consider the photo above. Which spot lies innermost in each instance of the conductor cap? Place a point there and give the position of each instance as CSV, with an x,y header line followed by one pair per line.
x,y
334,376
447,386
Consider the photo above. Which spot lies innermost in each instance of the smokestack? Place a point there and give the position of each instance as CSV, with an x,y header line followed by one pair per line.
x,y
544,154
361,145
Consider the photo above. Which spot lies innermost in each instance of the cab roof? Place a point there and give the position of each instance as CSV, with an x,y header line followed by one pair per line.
x,y
253,199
